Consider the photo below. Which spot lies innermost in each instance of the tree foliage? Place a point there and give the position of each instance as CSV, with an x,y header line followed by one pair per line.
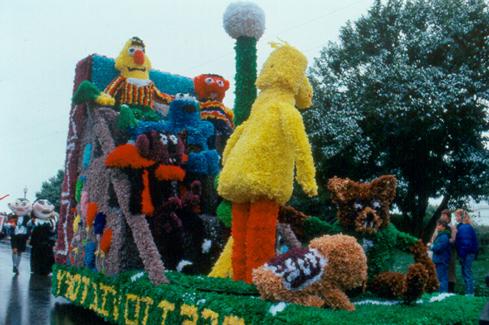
x,y
51,189
405,92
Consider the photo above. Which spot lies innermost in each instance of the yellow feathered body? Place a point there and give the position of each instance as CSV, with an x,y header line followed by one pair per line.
x,y
260,156
223,267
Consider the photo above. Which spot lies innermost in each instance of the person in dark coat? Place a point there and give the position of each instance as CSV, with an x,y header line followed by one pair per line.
x,y
441,253
43,224
17,227
467,247
446,215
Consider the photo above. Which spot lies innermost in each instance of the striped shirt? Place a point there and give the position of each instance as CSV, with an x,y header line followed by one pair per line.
x,y
214,111
132,91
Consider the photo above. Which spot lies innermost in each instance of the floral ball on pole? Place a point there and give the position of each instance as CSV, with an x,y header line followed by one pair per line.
x,y
245,22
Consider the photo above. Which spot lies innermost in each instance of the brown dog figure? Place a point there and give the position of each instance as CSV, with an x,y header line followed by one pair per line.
x,y
363,212
317,275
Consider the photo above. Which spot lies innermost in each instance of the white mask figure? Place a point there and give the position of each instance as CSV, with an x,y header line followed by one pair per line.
x,y
43,211
20,207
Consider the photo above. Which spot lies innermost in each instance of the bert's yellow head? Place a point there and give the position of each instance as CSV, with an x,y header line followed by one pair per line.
x,y
285,68
133,62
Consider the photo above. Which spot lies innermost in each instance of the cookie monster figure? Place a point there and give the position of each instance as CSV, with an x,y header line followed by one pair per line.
x,y
184,118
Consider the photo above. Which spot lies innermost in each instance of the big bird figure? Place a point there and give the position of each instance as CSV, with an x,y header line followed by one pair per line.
x,y
261,155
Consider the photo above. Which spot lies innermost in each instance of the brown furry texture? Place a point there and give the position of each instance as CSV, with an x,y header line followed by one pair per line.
x,y
416,280
421,277
357,199
389,284
293,217
363,211
420,253
346,268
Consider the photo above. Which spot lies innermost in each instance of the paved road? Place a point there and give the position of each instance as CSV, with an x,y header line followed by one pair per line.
x,y
26,299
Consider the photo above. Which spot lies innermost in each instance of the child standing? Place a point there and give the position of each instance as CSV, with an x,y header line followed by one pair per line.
x,y
441,253
18,229
446,215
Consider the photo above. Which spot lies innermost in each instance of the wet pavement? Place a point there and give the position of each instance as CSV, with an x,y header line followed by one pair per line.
x,y
27,299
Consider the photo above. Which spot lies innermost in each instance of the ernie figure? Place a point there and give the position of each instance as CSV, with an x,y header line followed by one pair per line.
x,y
210,90
134,88
133,92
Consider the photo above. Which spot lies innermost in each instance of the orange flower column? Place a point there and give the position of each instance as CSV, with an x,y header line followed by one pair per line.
x,y
254,230
260,235
238,230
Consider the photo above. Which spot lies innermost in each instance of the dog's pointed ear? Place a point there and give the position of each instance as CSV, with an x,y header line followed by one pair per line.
x,y
342,189
384,188
142,143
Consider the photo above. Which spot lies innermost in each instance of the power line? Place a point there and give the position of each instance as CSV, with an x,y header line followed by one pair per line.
x,y
321,17
227,54
307,22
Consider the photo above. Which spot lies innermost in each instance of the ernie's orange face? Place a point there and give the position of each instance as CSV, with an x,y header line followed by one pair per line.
x,y
210,87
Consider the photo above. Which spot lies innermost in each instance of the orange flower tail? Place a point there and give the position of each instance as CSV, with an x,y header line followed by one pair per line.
x,y
91,213
106,240
127,155
170,173
146,204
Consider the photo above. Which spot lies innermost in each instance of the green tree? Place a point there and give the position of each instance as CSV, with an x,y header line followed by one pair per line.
x,y
405,92
51,189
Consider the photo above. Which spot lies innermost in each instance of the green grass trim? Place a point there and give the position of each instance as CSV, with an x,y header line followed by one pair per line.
x,y
138,301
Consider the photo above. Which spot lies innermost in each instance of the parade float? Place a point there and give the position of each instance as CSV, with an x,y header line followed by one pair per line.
x,y
174,206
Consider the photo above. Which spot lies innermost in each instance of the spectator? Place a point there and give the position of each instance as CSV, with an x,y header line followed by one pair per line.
x,y
441,253
452,279
467,247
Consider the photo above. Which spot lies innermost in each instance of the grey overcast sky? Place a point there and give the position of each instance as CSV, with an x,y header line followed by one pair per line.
x,y
42,41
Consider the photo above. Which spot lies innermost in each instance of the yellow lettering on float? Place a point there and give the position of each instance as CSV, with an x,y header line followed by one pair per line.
x,y
86,286
147,302
60,277
68,280
117,299
191,312
94,305
73,287
166,308
108,290
233,320
211,315
135,299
